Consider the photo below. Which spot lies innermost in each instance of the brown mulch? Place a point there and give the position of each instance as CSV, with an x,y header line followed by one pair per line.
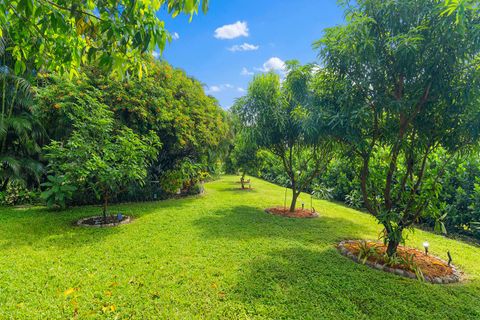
x,y
431,266
299,213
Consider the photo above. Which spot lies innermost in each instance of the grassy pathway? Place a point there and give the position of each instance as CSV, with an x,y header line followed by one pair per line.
x,y
215,256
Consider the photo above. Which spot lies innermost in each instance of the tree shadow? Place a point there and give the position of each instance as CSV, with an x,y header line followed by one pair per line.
x,y
243,222
239,189
299,283
42,228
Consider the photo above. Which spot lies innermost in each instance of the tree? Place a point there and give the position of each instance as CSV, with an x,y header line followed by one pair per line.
x,y
63,35
277,117
190,124
99,153
401,83
244,156
20,133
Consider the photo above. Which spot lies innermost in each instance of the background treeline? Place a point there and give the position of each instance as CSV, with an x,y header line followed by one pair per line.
x,y
459,188
55,116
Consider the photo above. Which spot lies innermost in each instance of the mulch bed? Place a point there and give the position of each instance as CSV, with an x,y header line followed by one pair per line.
x,y
434,269
299,213
99,221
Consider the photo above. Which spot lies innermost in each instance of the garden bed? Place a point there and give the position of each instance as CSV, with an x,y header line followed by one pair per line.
x,y
99,221
411,263
299,213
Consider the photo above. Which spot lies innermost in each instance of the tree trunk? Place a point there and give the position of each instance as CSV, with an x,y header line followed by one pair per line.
x,y
105,204
293,204
392,247
242,180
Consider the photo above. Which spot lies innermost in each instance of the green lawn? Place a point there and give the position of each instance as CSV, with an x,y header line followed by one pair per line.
x,y
215,256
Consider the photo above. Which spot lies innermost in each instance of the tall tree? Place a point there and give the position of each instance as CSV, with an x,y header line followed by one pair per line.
x,y
62,35
277,117
20,132
402,83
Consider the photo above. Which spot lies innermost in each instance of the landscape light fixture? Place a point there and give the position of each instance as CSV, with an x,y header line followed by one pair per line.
x,y
426,245
303,205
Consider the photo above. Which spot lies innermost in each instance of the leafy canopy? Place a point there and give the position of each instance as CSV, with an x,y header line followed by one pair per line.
x,y
278,118
62,35
99,154
402,84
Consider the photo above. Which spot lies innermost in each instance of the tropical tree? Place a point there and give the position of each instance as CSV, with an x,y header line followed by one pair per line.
x,y
277,117
62,35
20,133
402,84
98,154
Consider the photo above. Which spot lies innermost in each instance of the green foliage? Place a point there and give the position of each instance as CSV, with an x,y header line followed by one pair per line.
x,y
58,192
277,117
191,125
365,251
20,132
398,89
62,36
17,193
98,154
215,257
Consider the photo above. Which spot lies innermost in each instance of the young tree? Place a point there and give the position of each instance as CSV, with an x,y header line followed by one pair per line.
x,y
277,118
401,83
244,156
99,154
62,35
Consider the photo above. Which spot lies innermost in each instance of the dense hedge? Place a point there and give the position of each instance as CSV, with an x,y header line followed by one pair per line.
x,y
191,126
459,197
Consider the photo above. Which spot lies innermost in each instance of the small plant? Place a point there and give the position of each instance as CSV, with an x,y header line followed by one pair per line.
x,y
392,261
365,251
322,192
408,262
354,199
58,192
17,193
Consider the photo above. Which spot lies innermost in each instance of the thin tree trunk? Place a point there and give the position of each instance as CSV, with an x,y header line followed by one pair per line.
x,y
242,180
392,247
293,204
105,205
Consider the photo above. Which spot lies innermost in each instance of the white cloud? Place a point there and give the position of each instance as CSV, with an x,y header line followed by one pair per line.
x,y
213,89
239,89
246,72
175,36
243,47
232,31
222,87
156,54
273,64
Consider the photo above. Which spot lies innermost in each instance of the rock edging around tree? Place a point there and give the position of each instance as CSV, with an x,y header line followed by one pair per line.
x,y
97,222
453,277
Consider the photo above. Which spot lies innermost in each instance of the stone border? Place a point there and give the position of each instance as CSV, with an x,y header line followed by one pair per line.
x,y
454,278
127,219
314,215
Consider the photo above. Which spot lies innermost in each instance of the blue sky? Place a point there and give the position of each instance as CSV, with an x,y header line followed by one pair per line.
x,y
238,38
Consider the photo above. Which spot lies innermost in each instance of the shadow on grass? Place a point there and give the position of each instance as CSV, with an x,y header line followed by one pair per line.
x,y
298,283
40,227
241,222
239,189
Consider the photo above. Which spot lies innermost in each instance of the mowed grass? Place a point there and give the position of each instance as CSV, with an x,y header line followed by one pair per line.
x,y
216,256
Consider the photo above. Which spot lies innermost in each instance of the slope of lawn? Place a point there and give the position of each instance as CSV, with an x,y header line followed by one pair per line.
x,y
215,256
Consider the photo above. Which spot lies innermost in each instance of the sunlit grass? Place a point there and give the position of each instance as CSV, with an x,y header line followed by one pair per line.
x,y
215,256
